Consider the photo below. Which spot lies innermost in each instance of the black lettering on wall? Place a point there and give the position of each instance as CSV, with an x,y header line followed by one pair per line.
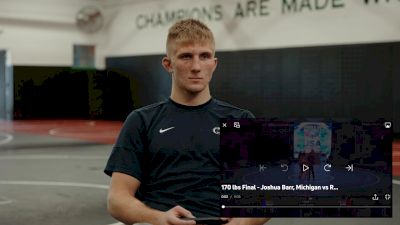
x,y
264,8
196,14
218,12
305,3
376,1
158,20
170,16
251,8
289,6
181,14
337,4
208,13
166,18
239,12
141,22
294,6
321,4
150,20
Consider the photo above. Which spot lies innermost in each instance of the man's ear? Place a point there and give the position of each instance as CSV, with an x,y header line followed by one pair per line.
x,y
215,63
166,62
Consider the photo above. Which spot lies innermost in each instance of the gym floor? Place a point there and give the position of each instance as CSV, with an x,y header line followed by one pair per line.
x,y
51,172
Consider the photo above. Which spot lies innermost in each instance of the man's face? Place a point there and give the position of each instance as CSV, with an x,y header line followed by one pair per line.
x,y
191,65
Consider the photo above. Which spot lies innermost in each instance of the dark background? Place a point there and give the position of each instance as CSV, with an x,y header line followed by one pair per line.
x,y
344,81
62,92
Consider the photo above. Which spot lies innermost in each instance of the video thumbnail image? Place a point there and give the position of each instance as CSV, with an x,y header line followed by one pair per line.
x,y
306,168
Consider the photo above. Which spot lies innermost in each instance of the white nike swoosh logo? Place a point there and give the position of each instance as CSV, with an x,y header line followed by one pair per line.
x,y
166,129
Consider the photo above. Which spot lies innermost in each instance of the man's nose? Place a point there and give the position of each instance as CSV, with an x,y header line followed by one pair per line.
x,y
196,64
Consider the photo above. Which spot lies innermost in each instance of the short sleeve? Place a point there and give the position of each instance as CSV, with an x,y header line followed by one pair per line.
x,y
128,152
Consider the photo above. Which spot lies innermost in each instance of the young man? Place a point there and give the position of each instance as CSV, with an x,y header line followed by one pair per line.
x,y
165,165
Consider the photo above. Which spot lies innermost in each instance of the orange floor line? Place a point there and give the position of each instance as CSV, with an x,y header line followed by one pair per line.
x,y
104,132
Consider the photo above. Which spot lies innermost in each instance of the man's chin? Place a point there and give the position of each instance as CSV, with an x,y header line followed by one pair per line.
x,y
195,89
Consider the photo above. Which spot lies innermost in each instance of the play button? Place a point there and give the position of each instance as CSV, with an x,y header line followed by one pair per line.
x,y
305,167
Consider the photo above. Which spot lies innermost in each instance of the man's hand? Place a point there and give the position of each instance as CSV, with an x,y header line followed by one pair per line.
x,y
173,217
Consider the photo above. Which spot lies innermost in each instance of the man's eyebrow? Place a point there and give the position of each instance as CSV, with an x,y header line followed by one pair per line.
x,y
206,52
185,53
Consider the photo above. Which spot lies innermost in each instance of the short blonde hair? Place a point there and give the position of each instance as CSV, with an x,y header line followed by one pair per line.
x,y
189,30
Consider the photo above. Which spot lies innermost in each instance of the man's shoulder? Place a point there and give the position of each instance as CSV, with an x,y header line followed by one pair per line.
x,y
232,110
147,112
151,107
226,105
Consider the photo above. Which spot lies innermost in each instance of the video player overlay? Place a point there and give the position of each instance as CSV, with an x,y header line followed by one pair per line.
x,y
306,168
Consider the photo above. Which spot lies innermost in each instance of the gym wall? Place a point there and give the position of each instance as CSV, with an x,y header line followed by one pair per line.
x,y
343,81
67,93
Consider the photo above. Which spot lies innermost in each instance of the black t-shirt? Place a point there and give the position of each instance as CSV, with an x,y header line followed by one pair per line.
x,y
173,150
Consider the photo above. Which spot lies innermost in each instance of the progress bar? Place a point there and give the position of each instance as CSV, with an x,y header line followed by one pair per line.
x,y
301,206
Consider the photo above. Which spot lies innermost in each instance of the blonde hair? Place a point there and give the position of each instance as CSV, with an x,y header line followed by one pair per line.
x,y
189,30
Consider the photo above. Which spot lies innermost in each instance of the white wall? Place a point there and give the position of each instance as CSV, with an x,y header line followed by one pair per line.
x,y
42,32
344,22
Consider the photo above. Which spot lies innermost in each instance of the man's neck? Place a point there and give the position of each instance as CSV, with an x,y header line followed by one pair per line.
x,y
191,99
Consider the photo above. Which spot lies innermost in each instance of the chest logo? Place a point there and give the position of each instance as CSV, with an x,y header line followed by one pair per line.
x,y
215,130
166,129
